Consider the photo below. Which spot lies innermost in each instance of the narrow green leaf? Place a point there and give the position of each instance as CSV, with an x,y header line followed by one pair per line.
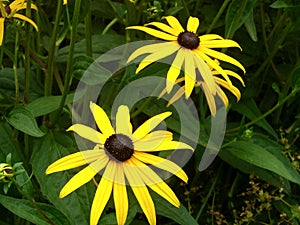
x,y
26,210
285,4
250,26
22,119
295,76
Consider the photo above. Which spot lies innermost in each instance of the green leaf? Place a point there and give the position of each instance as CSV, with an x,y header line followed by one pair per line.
x,y
48,103
265,154
248,108
295,76
46,150
250,26
237,13
26,210
285,4
22,119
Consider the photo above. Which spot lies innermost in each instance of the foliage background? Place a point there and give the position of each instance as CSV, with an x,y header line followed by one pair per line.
x,y
255,179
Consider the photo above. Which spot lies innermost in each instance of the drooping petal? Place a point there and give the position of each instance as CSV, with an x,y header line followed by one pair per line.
x,y
220,44
223,96
164,28
102,120
208,37
83,176
123,125
149,125
152,180
162,163
156,56
120,195
155,33
75,160
193,24
140,191
88,133
21,6
223,57
21,17
175,69
174,23
209,98
189,73
102,195
152,140
235,75
176,96
1,30
232,88
166,145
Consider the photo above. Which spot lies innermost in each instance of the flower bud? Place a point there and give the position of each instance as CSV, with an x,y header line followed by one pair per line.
x,y
6,172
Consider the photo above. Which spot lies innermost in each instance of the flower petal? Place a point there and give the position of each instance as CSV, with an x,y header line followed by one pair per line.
x,y
223,96
163,27
75,160
189,73
102,194
102,120
208,37
193,24
176,96
83,176
162,163
175,69
155,33
21,17
1,30
209,98
152,140
174,23
140,191
166,145
232,88
149,125
88,133
220,44
123,125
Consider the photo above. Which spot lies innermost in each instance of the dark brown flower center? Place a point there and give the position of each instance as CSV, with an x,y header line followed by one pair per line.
x,y
119,147
188,40
7,9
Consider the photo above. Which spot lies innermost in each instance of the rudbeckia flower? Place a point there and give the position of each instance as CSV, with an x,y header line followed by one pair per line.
x,y
10,11
124,157
194,53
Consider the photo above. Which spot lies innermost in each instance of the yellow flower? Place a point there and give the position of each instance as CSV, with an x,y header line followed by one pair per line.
x,y
194,53
122,154
10,11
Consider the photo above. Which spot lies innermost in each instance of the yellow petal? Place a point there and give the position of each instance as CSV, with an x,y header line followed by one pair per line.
x,y
1,30
149,125
83,176
174,23
233,74
65,2
123,125
208,37
193,24
102,120
220,44
162,163
166,145
232,88
120,195
175,69
19,7
162,53
19,16
75,160
102,195
140,191
152,140
88,133
152,180
210,99
176,96
223,57
164,27
222,96
189,73
155,33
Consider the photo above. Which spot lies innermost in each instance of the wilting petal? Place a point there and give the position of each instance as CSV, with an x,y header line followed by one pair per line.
x,y
155,33
120,195
220,44
164,28
210,99
102,195
149,125
152,180
123,125
193,24
83,176
208,37
175,69
156,56
174,23
21,17
1,30
140,191
102,120
152,140
75,160
190,73
223,57
88,133
161,163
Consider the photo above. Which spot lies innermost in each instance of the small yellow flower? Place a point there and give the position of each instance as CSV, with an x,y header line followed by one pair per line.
x,y
194,53
10,11
123,156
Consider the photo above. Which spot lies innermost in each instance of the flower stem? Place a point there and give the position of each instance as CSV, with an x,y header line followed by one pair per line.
x,y
15,68
186,9
88,30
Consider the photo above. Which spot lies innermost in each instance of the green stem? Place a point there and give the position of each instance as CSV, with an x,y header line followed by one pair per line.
x,y
88,30
15,68
109,25
52,47
187,12
27,55
68,74
217,17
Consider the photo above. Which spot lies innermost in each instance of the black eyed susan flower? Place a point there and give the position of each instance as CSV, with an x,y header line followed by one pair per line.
x,y
10,11
124,157
195,53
